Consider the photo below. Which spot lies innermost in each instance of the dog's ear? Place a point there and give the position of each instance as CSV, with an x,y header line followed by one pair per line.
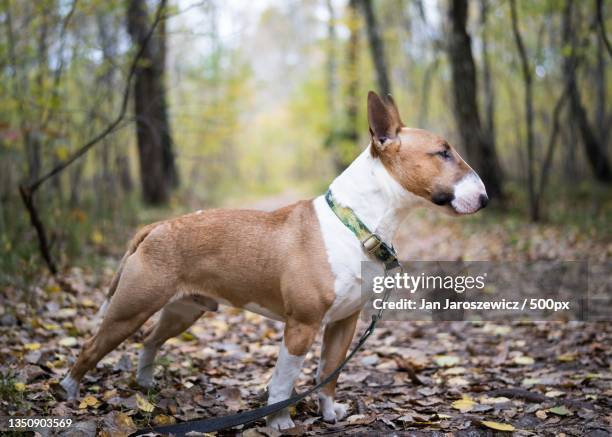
x,y
393,109
384,121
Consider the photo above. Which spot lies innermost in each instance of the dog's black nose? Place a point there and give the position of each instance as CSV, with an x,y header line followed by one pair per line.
x,y
484,200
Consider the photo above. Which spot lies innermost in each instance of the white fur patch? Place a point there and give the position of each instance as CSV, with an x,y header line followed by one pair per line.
x,y
467,194
103,308
381,203
71,386
288,368
146,359
332,411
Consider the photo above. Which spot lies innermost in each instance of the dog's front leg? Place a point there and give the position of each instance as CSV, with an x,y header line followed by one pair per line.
x,y
336,341
297,340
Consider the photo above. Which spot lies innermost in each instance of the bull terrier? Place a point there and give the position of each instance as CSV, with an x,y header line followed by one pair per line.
x,y
300,264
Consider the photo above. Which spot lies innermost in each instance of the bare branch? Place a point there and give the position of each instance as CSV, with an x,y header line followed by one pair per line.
x,y
33,186
527,78
27,190
552,141
601,25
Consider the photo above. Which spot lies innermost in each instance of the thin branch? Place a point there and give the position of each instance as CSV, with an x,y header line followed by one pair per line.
x,y
27,190
377,47
43,241
552,141
602,26
111,127
528,109
65,24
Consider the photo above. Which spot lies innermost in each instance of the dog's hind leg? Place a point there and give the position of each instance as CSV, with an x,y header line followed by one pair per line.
x,y
297,340
139,295
175,318
336,341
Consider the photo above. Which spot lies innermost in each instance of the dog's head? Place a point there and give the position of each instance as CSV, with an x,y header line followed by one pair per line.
x,y
423,163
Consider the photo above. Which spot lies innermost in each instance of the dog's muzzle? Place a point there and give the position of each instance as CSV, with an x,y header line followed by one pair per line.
x,y
470,194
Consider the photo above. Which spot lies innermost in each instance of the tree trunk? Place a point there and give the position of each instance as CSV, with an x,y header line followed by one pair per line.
x,y
107,38
489,94
170,170
157,168
527,79
594,148
601,117
331,78
377,48
478,146
349,135
426,92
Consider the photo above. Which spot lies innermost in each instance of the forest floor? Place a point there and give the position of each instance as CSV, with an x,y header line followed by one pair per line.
x,y
412,378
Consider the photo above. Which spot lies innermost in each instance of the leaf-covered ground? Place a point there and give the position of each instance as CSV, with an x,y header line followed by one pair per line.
x,y
452,378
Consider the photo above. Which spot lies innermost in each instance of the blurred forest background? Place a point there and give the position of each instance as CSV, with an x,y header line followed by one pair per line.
x,y
114,113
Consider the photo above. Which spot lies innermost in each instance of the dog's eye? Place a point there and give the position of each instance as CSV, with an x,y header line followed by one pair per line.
x,y
445,154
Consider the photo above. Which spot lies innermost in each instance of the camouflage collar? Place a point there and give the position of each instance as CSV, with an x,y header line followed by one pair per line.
x,y
370,241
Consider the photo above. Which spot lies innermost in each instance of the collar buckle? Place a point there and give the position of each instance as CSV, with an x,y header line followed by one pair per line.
x,y
371,243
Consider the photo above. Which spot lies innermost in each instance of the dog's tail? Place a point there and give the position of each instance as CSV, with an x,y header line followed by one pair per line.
x,y
132,246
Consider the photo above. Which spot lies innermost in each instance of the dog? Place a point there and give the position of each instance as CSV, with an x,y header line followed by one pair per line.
x,y
299,264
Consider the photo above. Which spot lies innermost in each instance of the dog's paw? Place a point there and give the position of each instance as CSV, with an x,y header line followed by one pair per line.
x,y
71,386
144,374
280,421
145,379
332,411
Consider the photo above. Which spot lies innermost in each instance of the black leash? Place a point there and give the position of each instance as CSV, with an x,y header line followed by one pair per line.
x,y
231,420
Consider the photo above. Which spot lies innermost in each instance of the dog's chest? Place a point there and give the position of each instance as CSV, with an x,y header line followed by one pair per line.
x,y
344,254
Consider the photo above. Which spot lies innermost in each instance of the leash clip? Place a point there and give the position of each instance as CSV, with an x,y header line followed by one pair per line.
x,y
371,243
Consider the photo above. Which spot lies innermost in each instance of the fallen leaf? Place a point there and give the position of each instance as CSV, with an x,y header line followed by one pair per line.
x,y
119,424
187,336
455,371
143,404
162,419
360,419
560,411
531,381
464,405
88,401
31,346
458,381
446,360
523,360
231,397
566,358
498,426
370,360
497,400
88,303
53,288
68,342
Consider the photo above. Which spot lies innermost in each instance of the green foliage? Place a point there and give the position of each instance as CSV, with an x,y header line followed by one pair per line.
x,y
9,389
251,112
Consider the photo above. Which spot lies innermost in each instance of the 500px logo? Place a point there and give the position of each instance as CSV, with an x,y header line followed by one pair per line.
x,y
414,283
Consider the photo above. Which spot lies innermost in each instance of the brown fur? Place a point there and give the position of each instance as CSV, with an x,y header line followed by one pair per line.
x,y
272,259
410,155
411,159
336,341
276,260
